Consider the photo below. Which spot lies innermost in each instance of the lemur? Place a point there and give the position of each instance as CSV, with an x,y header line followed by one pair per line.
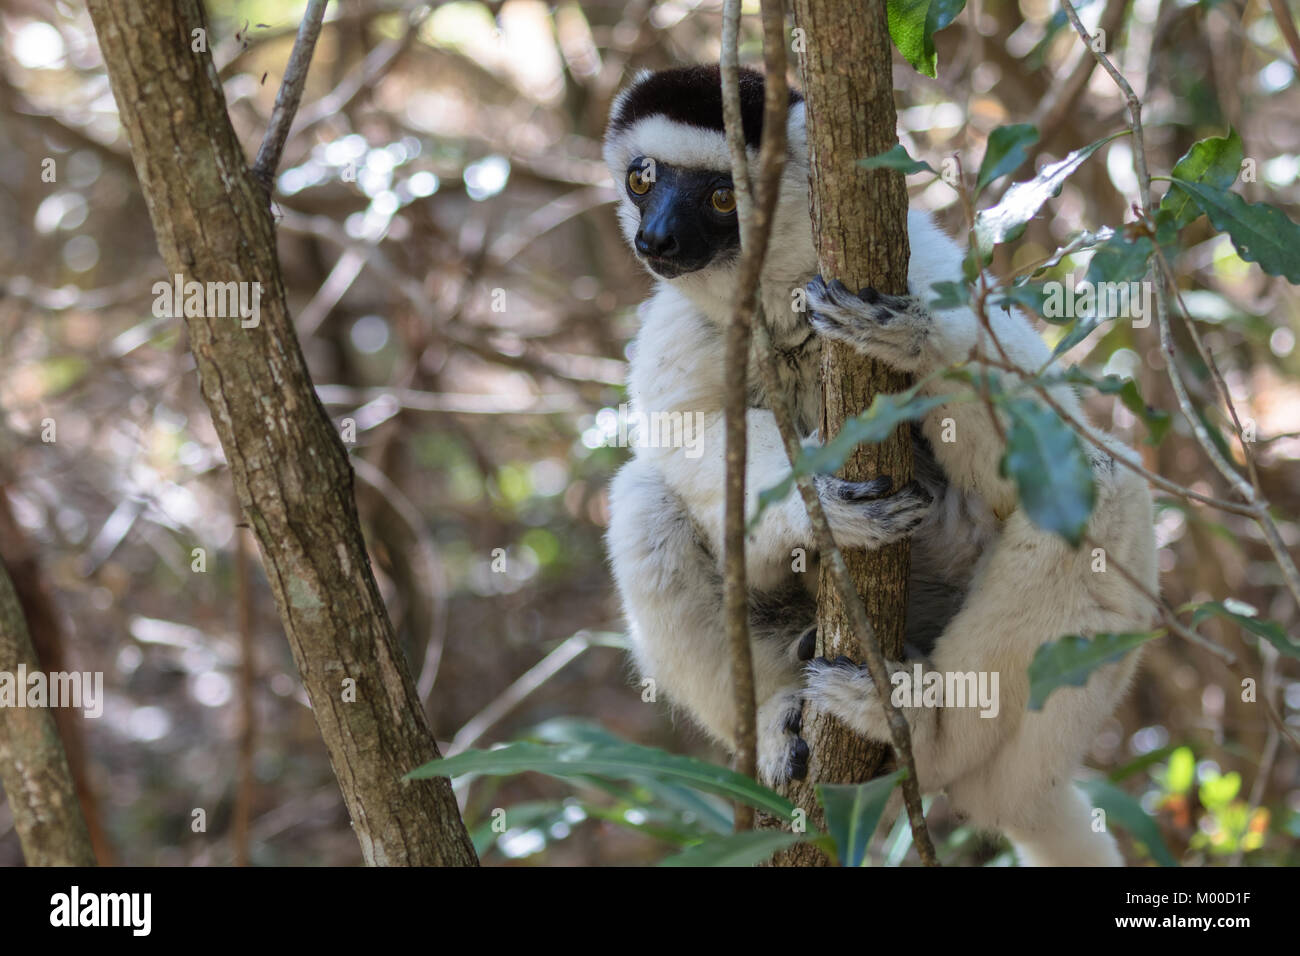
x,y
987,587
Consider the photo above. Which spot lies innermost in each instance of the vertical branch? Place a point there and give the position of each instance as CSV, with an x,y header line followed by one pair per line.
x,y
33,766
736,404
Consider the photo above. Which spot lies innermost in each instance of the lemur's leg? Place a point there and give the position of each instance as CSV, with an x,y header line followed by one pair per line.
x,y
672,592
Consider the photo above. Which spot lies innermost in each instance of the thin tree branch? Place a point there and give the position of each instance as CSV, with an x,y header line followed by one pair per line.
x,y
290,95
754,213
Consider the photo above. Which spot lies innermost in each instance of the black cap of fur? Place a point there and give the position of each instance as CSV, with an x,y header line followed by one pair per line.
x,y
692,95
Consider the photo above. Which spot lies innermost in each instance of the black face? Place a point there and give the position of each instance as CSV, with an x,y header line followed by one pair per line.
x,y
688,216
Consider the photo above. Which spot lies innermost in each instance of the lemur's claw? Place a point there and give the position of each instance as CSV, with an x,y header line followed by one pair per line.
x,y
807,644
798,766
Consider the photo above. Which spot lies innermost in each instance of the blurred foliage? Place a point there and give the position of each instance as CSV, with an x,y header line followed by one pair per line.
x,y
464,296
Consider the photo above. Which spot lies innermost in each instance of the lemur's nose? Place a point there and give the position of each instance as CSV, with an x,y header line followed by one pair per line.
x,y
659,243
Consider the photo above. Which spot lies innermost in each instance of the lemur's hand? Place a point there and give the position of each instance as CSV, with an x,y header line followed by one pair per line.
x,y
892,328
782,753
863,515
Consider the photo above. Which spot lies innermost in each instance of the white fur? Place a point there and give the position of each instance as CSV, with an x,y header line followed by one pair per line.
x,y
990,584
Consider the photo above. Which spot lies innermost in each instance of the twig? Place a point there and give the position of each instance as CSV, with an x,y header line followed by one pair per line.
x,y
754,213
1287,27
290,95
525,684
1063,97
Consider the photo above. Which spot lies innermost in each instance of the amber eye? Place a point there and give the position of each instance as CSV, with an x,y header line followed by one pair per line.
x,y
723,200
638,183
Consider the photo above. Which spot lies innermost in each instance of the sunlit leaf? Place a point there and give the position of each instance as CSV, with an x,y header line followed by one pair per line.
x,y
1006,221
1181,772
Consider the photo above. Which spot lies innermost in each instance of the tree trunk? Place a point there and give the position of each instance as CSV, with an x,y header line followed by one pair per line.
x,y
860,224
33,766
290,470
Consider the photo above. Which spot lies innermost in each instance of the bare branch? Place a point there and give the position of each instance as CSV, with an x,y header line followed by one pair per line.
x,y
290,95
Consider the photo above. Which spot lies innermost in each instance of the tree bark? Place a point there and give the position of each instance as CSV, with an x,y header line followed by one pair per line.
x,y
290,470
860,225
33,767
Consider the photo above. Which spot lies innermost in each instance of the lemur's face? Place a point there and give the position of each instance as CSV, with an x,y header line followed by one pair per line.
x,y
687,216
666,149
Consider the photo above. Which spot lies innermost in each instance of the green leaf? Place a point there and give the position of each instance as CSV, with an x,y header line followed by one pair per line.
x,y
1219,791
710,812
913,24
1214,161
1006,221
1120,260
1260,233
876,424
1245,616
1050,469
1140,763
852,813
1030,295
1157,420
1128,813
1005,152
1181,772
896,158
623,761
736,849
1070,661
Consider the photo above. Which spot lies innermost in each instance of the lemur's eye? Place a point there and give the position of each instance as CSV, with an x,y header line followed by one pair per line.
x,y
638,183
723,200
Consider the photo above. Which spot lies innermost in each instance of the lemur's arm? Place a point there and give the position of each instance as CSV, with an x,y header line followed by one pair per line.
x,y
675,371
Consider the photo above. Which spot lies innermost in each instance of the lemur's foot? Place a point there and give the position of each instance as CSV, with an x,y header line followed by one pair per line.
x,y
892,328
782,753
861,518
840,687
